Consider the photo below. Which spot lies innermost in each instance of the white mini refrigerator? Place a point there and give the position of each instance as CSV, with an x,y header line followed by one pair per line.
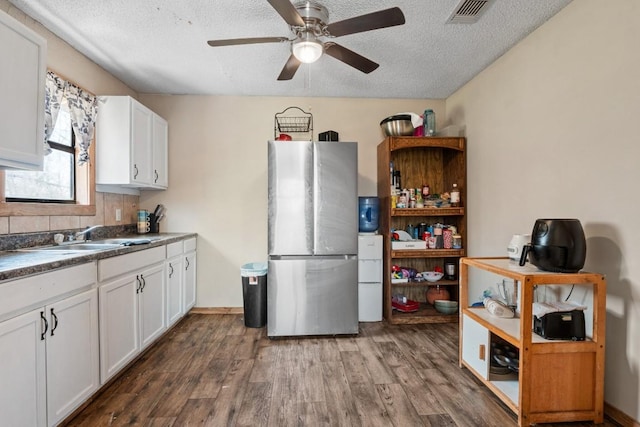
x,y
369,278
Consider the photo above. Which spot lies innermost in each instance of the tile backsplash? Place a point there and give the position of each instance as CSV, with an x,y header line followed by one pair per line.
x,y
106,206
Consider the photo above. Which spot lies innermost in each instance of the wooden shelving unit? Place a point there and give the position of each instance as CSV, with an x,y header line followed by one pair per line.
x,y
439,162
557,381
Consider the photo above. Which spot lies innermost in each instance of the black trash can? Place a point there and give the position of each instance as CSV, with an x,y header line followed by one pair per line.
x,y
254,294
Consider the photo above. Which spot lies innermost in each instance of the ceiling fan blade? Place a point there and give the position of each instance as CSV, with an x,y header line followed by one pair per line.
x,y
251,40
288,12
349,57
372,21
289,69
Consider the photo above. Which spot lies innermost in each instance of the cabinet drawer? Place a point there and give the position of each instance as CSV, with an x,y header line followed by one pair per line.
x,y
370,270
475,346
190,244
369,247
112,267
20,295
174,249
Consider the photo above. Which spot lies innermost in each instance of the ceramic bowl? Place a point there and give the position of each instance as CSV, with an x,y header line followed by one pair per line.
x,y
431,276
446,307
446,303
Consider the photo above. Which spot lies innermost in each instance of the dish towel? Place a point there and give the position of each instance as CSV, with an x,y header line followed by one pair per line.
x,y
542,308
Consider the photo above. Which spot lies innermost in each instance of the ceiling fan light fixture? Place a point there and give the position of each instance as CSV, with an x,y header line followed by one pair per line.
x,y
308,49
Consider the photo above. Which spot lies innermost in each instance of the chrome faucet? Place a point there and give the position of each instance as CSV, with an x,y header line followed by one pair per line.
x,y
85,234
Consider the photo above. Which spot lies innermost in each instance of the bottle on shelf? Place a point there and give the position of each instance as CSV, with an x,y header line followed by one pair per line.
x,y
429,123
455,196
397,181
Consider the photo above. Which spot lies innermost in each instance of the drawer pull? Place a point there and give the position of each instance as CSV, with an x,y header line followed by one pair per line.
x,y
54,322
481,352
45,325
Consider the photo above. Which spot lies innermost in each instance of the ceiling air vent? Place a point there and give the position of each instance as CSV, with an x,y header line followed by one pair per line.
x,y
469,11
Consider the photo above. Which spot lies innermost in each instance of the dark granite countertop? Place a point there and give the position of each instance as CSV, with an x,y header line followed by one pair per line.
x,y
20,262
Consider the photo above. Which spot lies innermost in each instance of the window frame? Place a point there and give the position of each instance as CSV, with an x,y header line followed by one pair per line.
x,y
85,186
69,149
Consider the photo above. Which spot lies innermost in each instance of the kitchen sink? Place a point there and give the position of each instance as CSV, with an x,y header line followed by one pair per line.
x,y
90,246
74,247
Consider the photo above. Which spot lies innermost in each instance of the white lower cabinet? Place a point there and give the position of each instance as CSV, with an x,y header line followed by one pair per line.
x,y
475,351
190,279
174,279
72,354
66,332
369,278
23,371
132,306
152,300
49,355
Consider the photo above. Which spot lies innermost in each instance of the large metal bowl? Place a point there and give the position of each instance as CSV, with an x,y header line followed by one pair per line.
x,y
399,125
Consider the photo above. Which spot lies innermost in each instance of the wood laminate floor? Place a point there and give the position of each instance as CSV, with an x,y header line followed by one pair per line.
x,y
210,370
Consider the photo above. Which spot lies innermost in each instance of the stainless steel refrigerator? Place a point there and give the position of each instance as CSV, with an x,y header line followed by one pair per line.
x,y
312,285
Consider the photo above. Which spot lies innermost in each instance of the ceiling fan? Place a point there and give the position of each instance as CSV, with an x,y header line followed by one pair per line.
x,y
308,21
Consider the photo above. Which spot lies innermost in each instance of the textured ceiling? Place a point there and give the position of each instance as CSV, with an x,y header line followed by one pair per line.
x,y
159,46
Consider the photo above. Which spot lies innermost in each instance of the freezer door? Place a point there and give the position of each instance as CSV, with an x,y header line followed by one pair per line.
x,y
336,198
290,198
312,297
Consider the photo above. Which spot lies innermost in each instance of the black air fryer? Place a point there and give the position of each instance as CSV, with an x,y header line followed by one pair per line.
x,y
557,245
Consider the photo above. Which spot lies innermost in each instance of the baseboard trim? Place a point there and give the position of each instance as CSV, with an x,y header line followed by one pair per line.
x,y
217,310
619,417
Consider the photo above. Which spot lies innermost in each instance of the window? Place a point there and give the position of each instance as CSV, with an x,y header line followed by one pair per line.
x,y
56,183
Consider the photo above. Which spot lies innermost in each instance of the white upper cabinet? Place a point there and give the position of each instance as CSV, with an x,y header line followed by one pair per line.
x,y
160,152
131,145
22,78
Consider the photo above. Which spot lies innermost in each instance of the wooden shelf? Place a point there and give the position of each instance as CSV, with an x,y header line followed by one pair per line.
x,y
404,142
426,314
558,380
439,162
428,253
441,282
427,212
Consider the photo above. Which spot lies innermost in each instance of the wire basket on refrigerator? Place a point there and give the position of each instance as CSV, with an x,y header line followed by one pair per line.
x,y
297,122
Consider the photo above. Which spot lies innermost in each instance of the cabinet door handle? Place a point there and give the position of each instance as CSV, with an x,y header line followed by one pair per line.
x,y
54,321
187,261
156,174
139,284
144,283
44,325
135,171
481,352
170,272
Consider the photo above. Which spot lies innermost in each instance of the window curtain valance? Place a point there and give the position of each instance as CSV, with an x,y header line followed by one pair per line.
x,y
83,107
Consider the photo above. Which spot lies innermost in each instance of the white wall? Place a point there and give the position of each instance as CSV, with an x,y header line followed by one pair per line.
x,y
552,132
218,172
